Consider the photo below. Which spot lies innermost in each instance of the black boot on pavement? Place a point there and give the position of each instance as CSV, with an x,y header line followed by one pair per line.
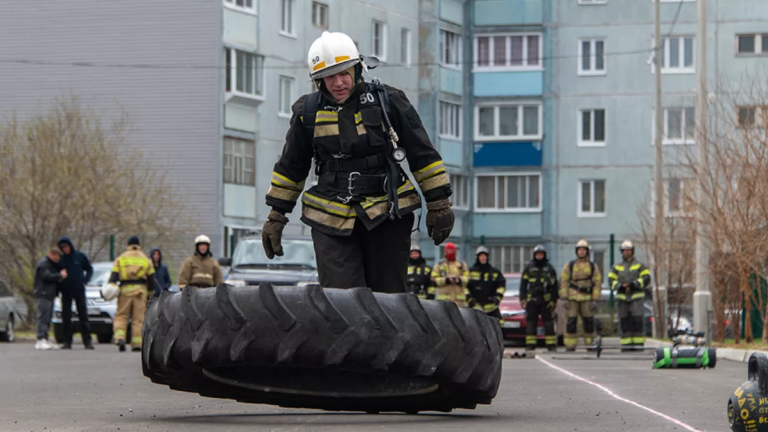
x,y
89,346
121,346
66,345
136,349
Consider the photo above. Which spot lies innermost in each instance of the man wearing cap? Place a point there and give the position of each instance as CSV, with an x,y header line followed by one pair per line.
x,y
361,210
486,285
451,277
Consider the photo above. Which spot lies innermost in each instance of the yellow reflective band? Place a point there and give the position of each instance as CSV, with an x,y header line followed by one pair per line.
x,y
636,296
340,59
501,290
326,130
120,333
461,297
478,307
358,117
434,182
626,340
326,116
638,339
429,171
326,219
329,206
619,267
136,340
443,297
370,201
283,181
489,307
569,341
136,261
283,193
550,340
621,296
318,66
431,290
645,272
640,281
383,207
634,267
131,288
474,274
612,275
530,340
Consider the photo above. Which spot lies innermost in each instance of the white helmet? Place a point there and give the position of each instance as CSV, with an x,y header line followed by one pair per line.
x,y
627,245
202,238
110,292
332,53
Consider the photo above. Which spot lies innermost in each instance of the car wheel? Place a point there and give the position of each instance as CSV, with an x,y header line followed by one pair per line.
x,y
104,338
7,335
58,333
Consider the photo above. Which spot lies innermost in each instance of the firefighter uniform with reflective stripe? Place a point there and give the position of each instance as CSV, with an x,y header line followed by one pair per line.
x,y
200,270
538,288
135,272
419,279
629,280
485,289
447,290
580,288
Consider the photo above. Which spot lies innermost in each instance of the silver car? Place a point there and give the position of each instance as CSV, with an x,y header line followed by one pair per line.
x,y
13,311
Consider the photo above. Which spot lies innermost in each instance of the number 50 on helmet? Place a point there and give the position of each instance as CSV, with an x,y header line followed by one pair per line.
x,y
332,53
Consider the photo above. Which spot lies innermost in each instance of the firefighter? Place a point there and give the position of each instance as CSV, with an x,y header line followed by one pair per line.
x,y
629,280
361,210
136,275
538,296
580,288
201,269
450,276
419,279
486,285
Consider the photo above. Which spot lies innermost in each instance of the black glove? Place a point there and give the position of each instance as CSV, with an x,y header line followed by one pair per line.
x,y
272,234
439,220
635,286
448,281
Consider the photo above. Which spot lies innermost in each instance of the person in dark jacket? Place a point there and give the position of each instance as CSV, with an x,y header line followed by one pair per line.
x,y
419,278
162,277
538,296
486,286
47,275
79,272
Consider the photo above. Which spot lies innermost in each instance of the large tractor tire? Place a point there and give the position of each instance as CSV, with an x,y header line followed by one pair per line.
x,y
331,349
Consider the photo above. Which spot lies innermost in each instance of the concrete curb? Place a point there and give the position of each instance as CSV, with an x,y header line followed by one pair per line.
x,y
732,354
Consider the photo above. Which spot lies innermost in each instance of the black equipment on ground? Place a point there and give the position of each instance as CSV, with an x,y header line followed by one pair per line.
x,y
748,406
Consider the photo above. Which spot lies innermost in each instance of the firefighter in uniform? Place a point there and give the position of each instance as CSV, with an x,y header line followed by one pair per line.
x,y
486,285
201,269
580,288
419,278
136,275
538,294
361,210
450,276
629,280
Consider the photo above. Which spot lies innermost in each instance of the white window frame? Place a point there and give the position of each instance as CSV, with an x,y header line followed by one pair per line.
x,y
761,116
465,185
383,55
592,71
238,169
592,213
593,2
496,128
316,6
258,80
685,182
446,116
503,175
291,81
458,49
665,140
291,17
507,67
499,257
592,142
760,50
405,43
666,70
232,4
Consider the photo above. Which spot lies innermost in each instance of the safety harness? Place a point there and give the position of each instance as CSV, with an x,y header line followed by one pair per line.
x,y
571,284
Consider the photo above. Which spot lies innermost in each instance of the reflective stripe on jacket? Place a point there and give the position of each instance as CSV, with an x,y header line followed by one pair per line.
x,y
133,269
626,273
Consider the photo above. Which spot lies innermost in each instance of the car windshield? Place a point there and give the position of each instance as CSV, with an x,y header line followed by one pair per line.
x,y
100,276
296,253
513,287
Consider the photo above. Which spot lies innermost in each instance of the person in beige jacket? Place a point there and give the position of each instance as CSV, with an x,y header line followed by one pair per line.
x,y
201,269
451,276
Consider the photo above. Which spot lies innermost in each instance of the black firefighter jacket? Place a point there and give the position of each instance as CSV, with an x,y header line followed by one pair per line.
x,y
486,287
353,131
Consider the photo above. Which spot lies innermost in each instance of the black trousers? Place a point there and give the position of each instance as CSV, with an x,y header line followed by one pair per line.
x,y
82,314
533,309
377,259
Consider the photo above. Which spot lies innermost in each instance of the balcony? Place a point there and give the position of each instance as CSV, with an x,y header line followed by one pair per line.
x,y
508,83
507,154
508,12
501,225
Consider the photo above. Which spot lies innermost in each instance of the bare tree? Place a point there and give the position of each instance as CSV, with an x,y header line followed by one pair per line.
x,y
64,172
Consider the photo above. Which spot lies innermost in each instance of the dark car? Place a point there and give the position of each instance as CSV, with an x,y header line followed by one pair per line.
x,y
249,264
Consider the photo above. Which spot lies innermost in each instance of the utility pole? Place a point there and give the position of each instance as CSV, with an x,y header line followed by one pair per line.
x,y
702,298
658,180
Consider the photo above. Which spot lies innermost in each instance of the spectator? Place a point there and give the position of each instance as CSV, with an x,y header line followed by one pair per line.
x,y
46,277
162,277
79,272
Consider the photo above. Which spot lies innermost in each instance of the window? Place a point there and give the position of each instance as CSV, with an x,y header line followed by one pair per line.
x,y
592,57
405,47
592,128
239,162
460,186
320,15
286,23
678,197
286,96
752,116
679,126
450,120
509,122
246,5
677,55
591,198
598,257
510,259
379,40
752,44
508,193
450,48
244,73
516,51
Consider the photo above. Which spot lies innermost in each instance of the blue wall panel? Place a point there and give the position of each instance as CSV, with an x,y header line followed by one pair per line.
x,y
509,225
452,152
524,83
451,81
517,154
505,12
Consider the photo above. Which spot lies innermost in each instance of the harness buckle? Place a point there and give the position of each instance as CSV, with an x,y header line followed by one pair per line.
x,y
351,184
345,200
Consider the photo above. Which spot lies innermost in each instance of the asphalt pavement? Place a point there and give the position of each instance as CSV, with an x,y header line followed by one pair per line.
x,y
104,390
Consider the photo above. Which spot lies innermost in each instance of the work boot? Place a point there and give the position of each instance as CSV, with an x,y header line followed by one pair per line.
x,y
136,349
551,348
570,349
121,345
67,345
89,346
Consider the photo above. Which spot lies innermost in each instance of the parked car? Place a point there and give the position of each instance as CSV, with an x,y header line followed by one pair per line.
x,y
249,264
101,313
13,310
